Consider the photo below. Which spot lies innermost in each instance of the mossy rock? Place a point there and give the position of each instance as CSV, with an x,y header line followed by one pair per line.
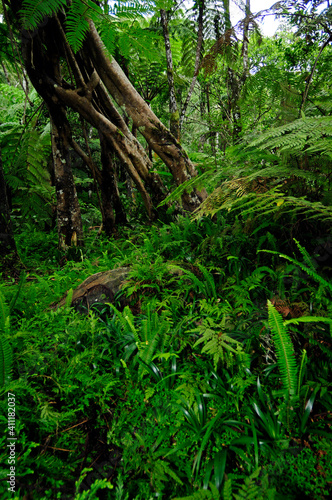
x,y
98,289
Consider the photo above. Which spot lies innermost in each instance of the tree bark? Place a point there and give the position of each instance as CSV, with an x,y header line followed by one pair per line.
x,y
201,7
37,62
49,83
90,67
114,213
233,86
173,107
70,230
309,79
156,134
234,90
245,43
5,72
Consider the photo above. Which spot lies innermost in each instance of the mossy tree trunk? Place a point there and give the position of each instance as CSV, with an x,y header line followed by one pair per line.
x,y
70,229
91,71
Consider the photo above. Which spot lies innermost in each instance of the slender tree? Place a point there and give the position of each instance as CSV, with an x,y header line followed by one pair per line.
x,y
200,16
173,106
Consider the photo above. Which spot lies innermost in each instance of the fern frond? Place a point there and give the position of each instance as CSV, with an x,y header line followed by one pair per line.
x,y
4,315
284,350
306,256
154,334
305,133
77,21
6,356
218,344
308,270
233,196
6,361
34,13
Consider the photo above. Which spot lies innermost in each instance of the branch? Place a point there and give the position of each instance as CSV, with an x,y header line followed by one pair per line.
x,y
309,80
87,160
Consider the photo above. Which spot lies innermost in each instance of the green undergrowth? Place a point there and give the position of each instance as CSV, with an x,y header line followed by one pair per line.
x,y
213,383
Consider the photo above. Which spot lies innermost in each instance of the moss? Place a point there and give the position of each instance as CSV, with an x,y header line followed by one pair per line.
x,y
175,117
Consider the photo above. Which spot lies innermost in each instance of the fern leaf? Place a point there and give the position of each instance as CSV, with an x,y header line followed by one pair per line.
x,y
6,361
284,350
228,490
306,256
306,269
294,137
34,13
4,315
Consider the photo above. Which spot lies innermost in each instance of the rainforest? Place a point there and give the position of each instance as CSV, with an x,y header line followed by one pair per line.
x,y
165,250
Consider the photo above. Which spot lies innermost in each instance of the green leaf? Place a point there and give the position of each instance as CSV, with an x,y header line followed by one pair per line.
x,y
284,350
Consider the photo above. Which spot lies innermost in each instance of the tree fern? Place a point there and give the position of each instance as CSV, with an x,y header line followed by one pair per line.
x,y
202,494
34,13
4,316
205,286
284,350
239,184
12,103
255,489
76,21
228,490
312,134
187,35
234,196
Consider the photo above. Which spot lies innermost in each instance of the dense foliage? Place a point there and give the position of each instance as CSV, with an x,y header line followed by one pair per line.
x,y
212,380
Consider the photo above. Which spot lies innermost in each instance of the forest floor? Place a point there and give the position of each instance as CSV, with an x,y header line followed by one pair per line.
x,y
205,376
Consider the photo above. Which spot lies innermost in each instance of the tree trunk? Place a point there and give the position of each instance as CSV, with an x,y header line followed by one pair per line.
x,y
173,107
39,61
112,206
5,72
212,132
156,134
233,86
9,259
234,90
201,7
69,220
245,42
48,81
90,67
